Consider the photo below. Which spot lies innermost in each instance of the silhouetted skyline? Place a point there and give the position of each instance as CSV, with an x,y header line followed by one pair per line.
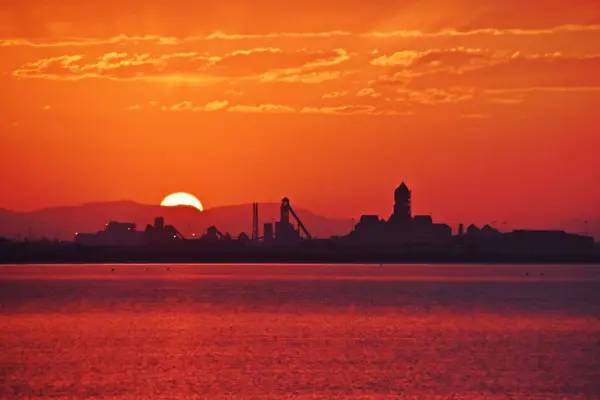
x,y
403,237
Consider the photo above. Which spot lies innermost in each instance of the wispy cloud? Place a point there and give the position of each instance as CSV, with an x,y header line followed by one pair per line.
x,y
84,42
433,96
218,35
367,92
340,110
486,31
545,89
190,106
259,64
113,65
475,116
335,95
216,105
493,70
268,108
312,71
262,108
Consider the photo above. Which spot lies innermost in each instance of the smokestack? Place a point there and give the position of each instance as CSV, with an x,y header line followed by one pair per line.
x,y
255,233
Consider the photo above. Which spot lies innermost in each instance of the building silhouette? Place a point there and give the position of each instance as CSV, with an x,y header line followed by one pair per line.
x,y
402,207
124,234
402,227
402,232
285,231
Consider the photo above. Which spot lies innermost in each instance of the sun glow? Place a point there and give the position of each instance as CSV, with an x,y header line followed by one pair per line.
x,y
182,199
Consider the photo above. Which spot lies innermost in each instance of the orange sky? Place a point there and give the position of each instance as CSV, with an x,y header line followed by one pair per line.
x,y
488,109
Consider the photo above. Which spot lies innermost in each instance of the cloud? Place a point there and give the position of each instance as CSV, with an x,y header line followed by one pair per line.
x,y
184,106
88,42
483,32
405,58
134,107
415,63
334,95
314,71
406,66
189,106
262,108
558,89
218,35
521,71
475,116
260,64
257,61
433,96
339,110
367,92
519,95
482,69
354,110
216,105
222,36
310,77
114,65
458,59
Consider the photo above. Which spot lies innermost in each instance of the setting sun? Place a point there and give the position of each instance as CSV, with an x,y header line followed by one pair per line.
x,y
182,199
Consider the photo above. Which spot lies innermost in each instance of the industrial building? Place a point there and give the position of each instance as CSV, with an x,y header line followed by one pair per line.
x,y
401,231
124,234
402,227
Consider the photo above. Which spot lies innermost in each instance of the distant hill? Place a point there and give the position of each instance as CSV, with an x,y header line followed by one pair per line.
x,y
63,222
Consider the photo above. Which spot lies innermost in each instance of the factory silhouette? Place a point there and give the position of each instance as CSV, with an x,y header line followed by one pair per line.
x,y
401,228
403,236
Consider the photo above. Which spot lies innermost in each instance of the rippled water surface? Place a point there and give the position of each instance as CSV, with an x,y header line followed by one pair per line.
x,y
299,332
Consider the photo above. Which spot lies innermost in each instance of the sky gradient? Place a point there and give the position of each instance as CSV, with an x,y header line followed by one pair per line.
x,y
487,109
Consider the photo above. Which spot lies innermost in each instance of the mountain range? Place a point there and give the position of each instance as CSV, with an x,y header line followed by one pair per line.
x,y
63,222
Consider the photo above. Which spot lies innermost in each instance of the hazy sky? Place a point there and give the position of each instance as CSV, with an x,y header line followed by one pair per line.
x,y
487,109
